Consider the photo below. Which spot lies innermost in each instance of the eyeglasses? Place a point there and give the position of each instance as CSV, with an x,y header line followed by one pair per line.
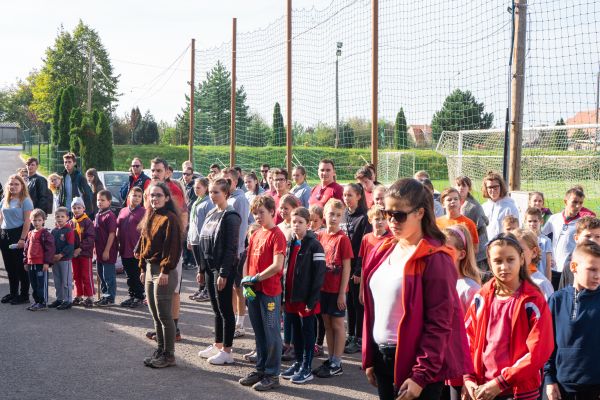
x,y
135,166
399,216
494,187
187,173
153,195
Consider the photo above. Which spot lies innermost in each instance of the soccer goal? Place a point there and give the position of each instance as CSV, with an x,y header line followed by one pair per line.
x,y
394,165
553,158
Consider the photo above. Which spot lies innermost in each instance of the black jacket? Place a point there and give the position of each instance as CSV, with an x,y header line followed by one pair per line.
x,y
225,247
40,194
130,183
309,270
80,189
356,225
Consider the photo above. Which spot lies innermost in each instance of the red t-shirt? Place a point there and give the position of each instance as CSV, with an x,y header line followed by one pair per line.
x,y
337,248
264,245
369,242
296,307
320,195
369,199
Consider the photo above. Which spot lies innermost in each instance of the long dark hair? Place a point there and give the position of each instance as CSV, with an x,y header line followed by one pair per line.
x,y
362,201
252,175
96,183
417,195
145,223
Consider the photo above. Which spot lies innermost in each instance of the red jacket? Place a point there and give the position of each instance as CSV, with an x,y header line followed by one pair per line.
x,y
531,340
432,344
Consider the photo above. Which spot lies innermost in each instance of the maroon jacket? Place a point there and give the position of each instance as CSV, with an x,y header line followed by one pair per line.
x,y
35,251
86,242
432,342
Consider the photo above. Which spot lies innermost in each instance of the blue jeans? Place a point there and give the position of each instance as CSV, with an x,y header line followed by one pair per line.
x,y
264,312
108,279
304,331
39,283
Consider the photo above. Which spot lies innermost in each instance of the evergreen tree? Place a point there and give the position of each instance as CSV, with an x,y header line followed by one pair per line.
x,y
55,118
346,136
460,111
88,141
559,140
279,137
105,143
74,127
401,131
66,105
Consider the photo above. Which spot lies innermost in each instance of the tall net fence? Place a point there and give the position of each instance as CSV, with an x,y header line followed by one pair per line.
x,y
443,67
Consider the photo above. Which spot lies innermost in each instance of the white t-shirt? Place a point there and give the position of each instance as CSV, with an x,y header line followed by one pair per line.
x,y
466,288
543,283
386,287
563,238
495,211
546,247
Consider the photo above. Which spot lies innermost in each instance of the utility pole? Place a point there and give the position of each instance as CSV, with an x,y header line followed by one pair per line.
x,y
289,138
192,105
518,94
90,79
374,82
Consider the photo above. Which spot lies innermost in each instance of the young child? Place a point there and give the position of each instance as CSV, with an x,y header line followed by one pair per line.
x,y
587,228
105,224
317,222
562,227
533,221
287,204
536,200
584,211
531,251
450,199
38,256
262,281
572,372
510,223
355,225
85,235
240,308
509,328
338,255
305,269
64,242
128,235
378,195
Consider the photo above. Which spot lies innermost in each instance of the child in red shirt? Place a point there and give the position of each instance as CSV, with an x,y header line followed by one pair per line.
x,y
38,253
338,254
262,272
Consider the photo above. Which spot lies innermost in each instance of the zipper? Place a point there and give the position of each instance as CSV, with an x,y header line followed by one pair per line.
x,y
575,310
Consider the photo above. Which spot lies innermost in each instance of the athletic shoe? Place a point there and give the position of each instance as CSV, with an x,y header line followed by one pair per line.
x,y
203,296
325,366
151,335
291,371
164,360
105,302
88,303
333,370
349,340
252,378
250,356
65,305
239,332
155,355
221,358
304,375
268,382
136,303
288,354
127,303
38,307
353,347
178,335
208,352
318,350
194,295
7,298
77,301
55,304
30,308
20,299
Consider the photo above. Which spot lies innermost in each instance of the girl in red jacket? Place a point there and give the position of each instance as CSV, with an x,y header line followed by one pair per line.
x,y
413,331
509,328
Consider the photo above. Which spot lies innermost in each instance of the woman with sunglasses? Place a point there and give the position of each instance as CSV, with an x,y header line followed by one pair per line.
x,y
498,204
137,178
408,353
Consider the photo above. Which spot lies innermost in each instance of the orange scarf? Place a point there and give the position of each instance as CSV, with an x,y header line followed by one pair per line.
x,y
78,227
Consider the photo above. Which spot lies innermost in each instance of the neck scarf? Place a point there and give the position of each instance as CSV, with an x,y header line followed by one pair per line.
x,y
78,226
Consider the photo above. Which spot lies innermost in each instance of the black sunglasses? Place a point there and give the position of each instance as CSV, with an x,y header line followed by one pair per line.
x,y
399,216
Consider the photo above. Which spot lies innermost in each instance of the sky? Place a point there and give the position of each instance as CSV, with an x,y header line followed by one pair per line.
x,y
426,50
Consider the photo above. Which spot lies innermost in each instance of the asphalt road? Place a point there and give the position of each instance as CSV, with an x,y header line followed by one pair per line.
x,y
97,353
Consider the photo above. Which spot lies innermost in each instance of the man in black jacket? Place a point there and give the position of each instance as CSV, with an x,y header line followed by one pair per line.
x,y
73,184
38,187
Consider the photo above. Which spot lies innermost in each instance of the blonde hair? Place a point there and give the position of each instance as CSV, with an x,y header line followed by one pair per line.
x,y
21,196
333,204
53,188
375,211
531,240
467,267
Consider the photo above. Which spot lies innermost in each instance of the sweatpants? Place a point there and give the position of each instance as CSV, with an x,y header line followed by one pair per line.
x,y
222,307
83,276
63,280
303,329
160,300
18,278
264,313
39,283
355,311
132,270
108,279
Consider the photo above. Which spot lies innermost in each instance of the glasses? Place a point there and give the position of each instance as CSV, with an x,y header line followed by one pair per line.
x,y
154,195
494,187
135,166
398,216
187,174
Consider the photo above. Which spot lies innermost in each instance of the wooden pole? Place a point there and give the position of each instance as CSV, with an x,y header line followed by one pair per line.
x,y
374,81
518,94
192,104
288,113
233,76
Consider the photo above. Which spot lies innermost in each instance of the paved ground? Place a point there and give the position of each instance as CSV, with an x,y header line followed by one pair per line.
x,y
97,353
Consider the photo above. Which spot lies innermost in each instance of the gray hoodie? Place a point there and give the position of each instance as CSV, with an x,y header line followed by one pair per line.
x,y
240,204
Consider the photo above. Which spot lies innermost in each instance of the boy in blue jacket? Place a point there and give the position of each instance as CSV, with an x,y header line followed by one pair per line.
x,y
573,372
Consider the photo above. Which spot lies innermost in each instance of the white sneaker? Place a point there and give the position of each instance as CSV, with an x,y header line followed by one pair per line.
x,y
221,358
239,331
209,352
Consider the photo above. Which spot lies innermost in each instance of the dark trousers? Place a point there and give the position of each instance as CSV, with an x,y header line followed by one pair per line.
x,y
384,374
303,329
355,311
555,279
222,307
39,283
13,262
592,393
320,330
132,270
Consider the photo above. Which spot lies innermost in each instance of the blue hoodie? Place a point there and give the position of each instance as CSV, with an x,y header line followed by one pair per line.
x,y
574,361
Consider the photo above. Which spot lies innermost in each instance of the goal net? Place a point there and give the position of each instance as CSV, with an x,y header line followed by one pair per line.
x,y
553,159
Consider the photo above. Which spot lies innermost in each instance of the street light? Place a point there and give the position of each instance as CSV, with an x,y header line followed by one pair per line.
x,y
338,53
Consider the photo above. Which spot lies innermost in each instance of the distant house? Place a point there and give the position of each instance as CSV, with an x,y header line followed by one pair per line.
x,y
591,135
420,134
10,133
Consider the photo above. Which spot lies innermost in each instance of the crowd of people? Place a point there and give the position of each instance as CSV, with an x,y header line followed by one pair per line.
x,y
443,296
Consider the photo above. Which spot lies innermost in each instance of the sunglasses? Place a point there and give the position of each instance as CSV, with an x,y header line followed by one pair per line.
x,y
399,216
187,174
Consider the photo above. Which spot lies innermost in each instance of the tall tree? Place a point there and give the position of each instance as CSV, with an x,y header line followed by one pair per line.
x,y
279,137
88,143
64,128
346,136
401,131
74,128
460,111
105,143
66,63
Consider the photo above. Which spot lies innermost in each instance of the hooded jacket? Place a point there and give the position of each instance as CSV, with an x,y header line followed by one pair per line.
x,y
431,342
87,240
356,225
224,255
531,339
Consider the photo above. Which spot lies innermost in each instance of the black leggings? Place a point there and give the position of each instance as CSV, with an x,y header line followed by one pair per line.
x,y
13,262
222,307
132,270
355,311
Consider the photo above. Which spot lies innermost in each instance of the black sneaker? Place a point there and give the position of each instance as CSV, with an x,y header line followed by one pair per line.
x,y
148,360
252,378
88,303
21,299
7,298
127,303
353,347
55,304
165,360
136,303
65,305
151,335
268,382
104,302
78,301
325,366
331,370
